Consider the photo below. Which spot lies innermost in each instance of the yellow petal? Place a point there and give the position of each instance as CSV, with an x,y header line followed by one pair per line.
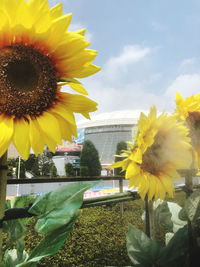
x,y
85,71
64,112
40,15
152,187
21,137
58,28
36,137
132,170
81,32
50,127
79,60
6,133
78,88
70,46
78,103
178,99
116,164
22,15
56,11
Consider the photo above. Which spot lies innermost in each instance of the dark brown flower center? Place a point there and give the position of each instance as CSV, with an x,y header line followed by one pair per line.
x,y
193,123
28,81
153,160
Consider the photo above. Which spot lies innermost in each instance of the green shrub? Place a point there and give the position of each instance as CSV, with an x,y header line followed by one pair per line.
x,y
53,171
83,171
69,170
90,157
98,237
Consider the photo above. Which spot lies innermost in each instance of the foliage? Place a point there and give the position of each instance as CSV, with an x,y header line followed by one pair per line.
x,y
46,167
12,162
83,171
53,171
97,239
22,169
45,161
56,212
11,165
69,170
182,247
89,157
32,166
120,147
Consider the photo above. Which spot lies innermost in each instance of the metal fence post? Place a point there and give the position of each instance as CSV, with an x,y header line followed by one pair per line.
x,y
121,191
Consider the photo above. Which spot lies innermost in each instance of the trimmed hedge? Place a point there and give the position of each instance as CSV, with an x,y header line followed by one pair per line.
x,y
98,237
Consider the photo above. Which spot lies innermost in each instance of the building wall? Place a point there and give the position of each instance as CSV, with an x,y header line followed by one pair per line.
x,y
12,152
106,138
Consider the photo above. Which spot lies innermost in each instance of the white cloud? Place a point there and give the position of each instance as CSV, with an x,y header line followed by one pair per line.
x,y
118,66
186,85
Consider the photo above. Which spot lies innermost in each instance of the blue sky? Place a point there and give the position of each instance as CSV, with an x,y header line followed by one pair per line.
x,y
148,50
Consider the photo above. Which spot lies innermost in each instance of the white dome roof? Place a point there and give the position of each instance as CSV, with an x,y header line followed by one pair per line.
x,y
112,118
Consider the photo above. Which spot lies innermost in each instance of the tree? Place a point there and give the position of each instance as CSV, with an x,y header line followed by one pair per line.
x,y
69,170
45,161
90,158
46,167
83,171
120,146
11,165
22,169
31,165
53,171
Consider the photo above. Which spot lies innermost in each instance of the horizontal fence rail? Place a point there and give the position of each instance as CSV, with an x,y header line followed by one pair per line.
x,y
64,179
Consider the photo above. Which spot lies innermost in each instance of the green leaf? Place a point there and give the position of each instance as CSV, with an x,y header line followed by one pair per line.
x,y
11,259
191,209
166,214
56,209
50,244
69,80
57,214
174,210
16,229
175,253
162,215
141,249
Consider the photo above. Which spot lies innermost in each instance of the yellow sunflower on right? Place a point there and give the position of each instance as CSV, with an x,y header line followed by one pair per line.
x,y
188,111
161,147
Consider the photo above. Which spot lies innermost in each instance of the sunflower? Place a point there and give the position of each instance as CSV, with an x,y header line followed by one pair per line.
x,y
188,111
37,57
161,147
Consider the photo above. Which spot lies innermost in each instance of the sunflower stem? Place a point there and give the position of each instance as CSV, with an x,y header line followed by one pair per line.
x,y
3,183
149,218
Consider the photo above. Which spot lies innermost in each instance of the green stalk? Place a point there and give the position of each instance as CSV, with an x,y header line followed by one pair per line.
x,y
149,218
3,183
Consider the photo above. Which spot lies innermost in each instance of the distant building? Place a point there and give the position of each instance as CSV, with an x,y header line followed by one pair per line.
x,y
12,152
107,130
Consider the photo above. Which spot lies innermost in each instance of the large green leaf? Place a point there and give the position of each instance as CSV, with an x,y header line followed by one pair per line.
x,y
57,208
162,215
16,229
11,258
191,209
49,245
141,249
175,253
166,214
57,212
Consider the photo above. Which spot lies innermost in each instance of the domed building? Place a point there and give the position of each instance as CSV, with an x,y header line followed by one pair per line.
x,y
106,130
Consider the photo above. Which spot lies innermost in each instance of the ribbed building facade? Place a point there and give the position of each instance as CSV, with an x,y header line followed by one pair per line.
x,y
108,129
